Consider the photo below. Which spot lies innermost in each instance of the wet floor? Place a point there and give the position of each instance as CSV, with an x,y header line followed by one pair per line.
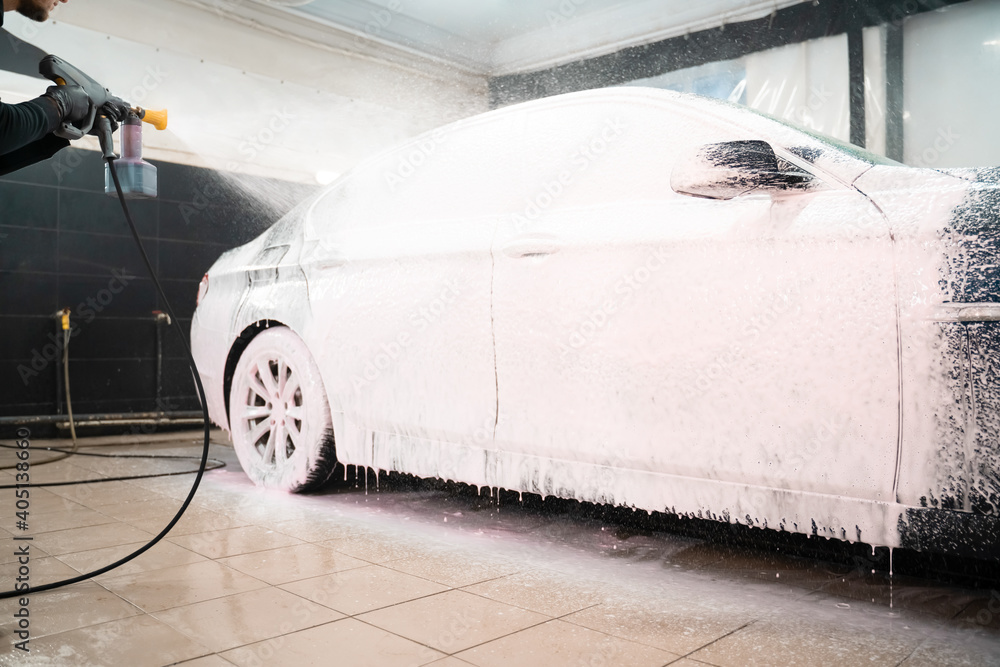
x,y
415,574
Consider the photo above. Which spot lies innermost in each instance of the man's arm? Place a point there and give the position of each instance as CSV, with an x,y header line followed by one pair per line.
x,y
25,123
26,129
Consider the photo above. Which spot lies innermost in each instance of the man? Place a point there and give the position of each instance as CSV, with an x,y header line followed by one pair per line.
x,y
36,10
26,129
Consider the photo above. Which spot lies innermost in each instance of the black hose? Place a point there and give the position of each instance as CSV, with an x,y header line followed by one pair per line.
x,y
201,395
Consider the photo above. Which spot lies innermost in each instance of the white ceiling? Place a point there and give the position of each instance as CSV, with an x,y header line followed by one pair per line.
x,y
494,37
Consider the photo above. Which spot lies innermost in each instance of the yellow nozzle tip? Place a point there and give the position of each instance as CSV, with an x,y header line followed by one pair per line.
x,y
157,119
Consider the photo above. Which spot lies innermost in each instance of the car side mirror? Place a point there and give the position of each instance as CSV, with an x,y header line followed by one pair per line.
x,y
732,168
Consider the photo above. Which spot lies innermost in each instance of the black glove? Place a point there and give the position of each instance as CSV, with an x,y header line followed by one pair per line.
x,y
72,101
116,109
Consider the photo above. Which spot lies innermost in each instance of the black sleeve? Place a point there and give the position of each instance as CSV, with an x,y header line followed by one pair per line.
x,y
25,123
34,152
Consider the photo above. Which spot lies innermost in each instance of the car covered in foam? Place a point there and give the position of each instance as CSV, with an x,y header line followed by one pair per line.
x,y
634,297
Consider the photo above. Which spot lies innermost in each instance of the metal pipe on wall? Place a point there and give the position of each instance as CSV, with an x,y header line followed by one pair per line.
x,y
122,418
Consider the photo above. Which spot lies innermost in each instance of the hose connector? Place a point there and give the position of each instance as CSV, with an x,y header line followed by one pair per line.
x,y
63,317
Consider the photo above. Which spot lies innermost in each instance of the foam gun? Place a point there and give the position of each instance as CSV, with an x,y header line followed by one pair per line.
x,y
138,177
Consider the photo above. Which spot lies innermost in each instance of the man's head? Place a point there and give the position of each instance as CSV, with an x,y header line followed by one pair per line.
x,y
36,10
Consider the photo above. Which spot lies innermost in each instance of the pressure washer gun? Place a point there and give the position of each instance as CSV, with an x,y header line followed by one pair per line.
x,y
138,177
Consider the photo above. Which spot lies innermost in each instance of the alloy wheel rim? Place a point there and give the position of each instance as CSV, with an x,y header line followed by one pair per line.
x,y
273,413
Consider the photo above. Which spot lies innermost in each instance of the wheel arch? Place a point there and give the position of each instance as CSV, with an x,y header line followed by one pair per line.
x,y
236,351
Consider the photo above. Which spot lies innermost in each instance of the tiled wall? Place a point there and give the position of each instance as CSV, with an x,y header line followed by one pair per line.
x,y
62,244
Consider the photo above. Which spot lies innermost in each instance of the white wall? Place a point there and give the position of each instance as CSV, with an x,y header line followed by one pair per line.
x,y
951,86
806,84
245,99
875,91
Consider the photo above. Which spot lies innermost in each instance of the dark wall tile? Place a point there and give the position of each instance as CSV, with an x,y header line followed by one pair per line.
x,y
21,335
173,347
92,297
101,214
113,379
111,337
78,169
200,188
27,249
183,295
180,260
28,293
213,224
178,380
26,383
182,402
180,182
40,173
25,205
99,254
91,406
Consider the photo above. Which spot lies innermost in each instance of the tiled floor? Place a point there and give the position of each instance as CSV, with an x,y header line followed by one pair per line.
x,y
251,577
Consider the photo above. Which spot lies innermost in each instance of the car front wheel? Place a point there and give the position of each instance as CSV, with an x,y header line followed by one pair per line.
x,y
279,414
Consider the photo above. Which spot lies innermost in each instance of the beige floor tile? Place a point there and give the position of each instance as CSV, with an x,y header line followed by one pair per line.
x,y
543,592
42,571
812,642
182,585
234,541
344,642
124,466
105,493
74,540
557,643
288,564
316,530
77,606
363,589
47,522
452,621
246,618
43,501
450,661
162,555
453,568
139,509
207,661
977,652
374,548
60,471
177,486
139,641
678,628
9,549
268,510
193,521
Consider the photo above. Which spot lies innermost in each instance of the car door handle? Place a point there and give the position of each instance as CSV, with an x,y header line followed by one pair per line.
x,y
321,257
330,262
532,247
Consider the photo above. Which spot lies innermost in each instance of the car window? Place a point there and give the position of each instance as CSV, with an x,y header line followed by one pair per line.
x,y
603,152
523,161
